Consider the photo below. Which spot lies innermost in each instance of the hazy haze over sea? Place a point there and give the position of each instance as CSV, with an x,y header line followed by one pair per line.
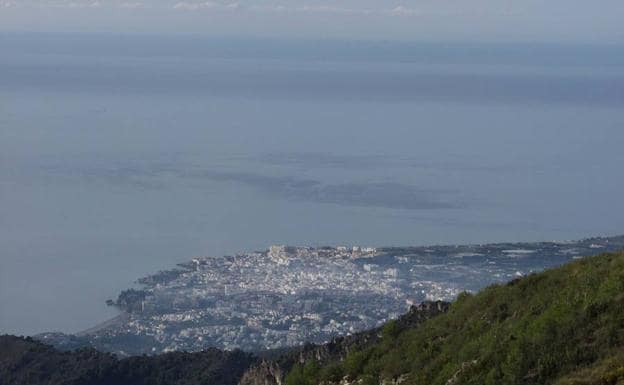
x,y
122,155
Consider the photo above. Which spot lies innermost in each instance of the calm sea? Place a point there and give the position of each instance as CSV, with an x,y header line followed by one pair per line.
x,y
123,155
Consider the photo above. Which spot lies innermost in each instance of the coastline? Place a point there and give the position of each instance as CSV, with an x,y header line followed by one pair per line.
x,y
112,322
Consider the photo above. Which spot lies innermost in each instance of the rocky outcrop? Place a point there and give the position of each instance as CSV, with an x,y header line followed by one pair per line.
x,y
464,367
273,371
264,373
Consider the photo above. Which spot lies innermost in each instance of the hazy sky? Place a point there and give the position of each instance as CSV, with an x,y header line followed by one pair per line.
x,y
428,20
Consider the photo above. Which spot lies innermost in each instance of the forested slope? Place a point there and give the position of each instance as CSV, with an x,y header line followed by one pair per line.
x,y
563,326
24,361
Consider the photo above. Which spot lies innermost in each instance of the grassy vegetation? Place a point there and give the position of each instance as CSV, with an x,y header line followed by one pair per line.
x,y
564,326
606,371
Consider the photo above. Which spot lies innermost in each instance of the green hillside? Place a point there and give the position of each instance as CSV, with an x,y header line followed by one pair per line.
x,y
564,326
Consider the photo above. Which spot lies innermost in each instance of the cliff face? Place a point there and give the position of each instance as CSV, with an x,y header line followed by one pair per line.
x,y
273,371
339,347
264,373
